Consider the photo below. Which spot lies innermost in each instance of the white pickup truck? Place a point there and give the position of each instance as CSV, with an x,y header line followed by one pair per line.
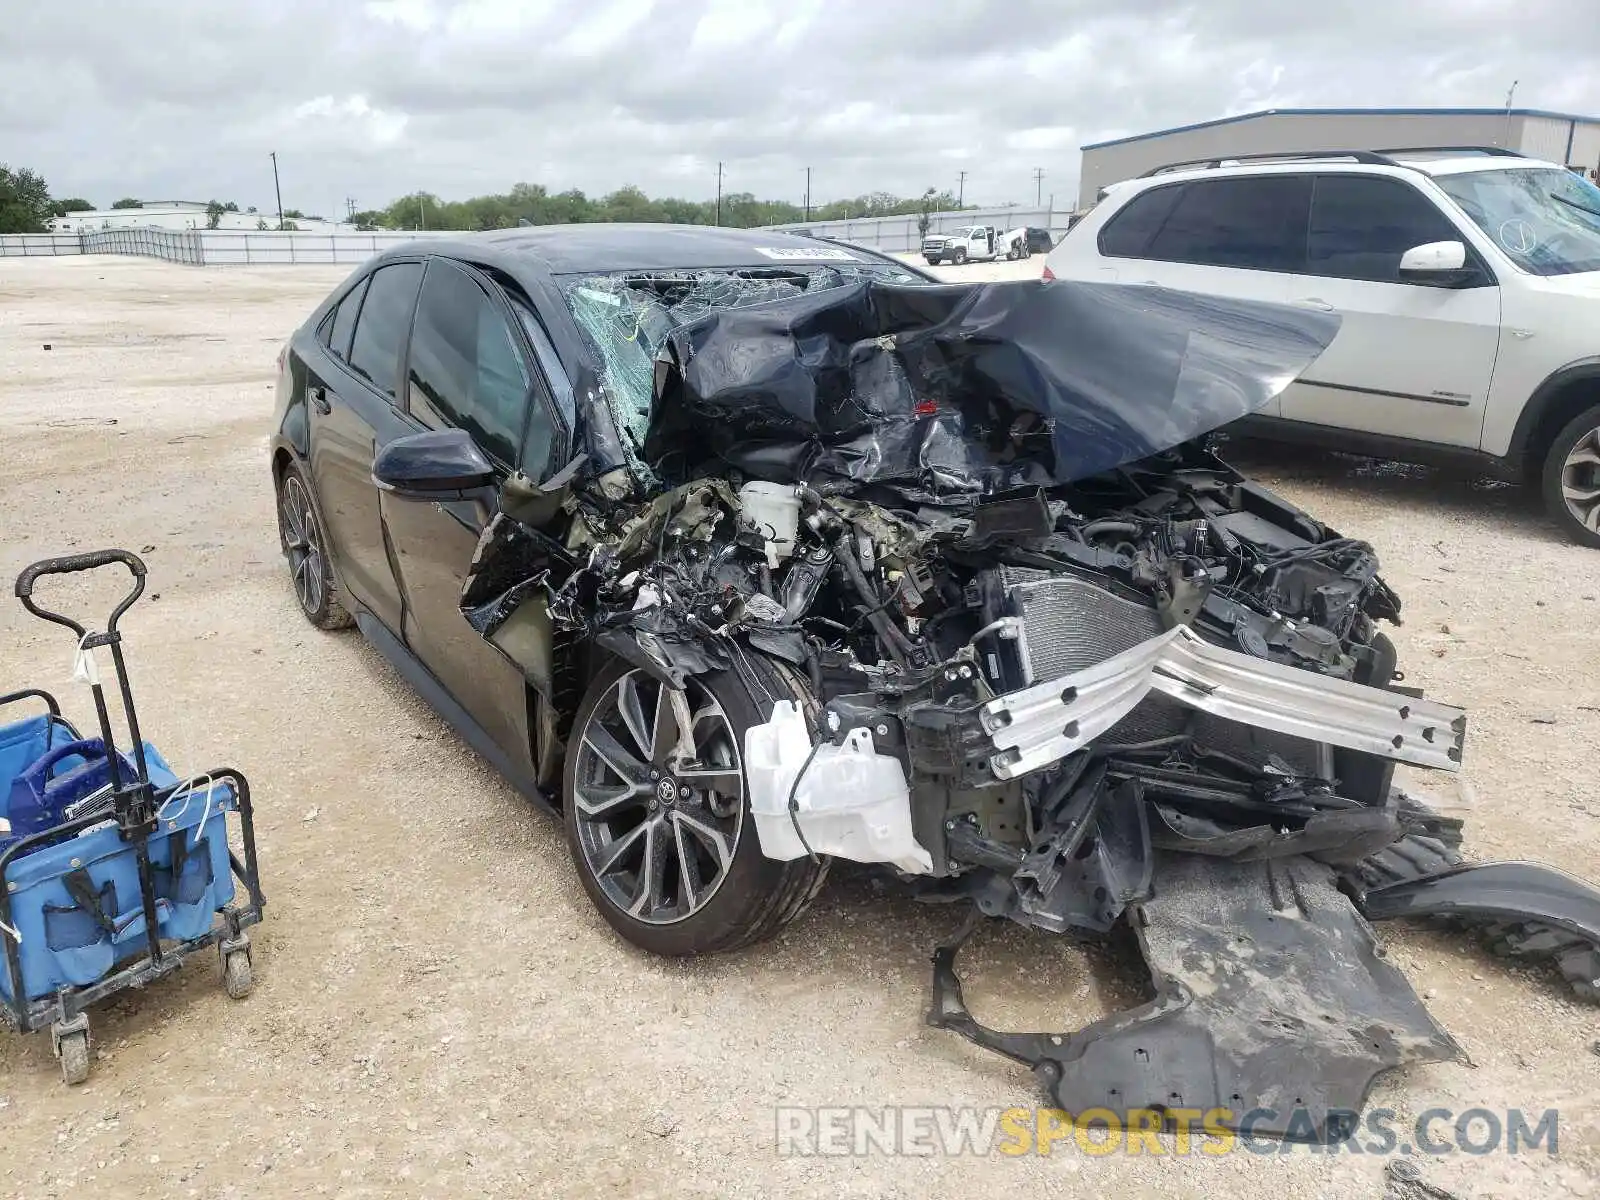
x,y
975,243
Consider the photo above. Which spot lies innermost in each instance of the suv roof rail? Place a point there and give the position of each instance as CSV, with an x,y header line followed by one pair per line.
x,y
1491,151
1216,160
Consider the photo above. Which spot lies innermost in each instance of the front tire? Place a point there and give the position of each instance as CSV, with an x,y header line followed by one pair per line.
x,y
1571,478
659,824
305,544
959,257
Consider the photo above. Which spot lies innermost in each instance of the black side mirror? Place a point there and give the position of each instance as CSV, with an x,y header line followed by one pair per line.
x,y
433,465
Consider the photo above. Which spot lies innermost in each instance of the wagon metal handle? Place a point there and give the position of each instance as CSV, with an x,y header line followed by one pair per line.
x,y
72,563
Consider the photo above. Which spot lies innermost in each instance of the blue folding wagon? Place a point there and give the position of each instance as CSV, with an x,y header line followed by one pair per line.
x,y
114,868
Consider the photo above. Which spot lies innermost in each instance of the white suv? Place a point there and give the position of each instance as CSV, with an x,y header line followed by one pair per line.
x,y
1468,280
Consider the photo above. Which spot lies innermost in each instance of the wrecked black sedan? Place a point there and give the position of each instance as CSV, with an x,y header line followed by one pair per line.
x,y
750,554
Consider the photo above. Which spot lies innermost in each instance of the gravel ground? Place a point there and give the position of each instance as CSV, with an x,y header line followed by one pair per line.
x,y
439,1012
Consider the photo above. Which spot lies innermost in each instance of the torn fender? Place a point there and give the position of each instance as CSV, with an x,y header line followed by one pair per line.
x,y
1535,911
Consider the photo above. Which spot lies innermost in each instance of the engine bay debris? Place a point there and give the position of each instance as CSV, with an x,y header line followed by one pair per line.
x,y
1053,658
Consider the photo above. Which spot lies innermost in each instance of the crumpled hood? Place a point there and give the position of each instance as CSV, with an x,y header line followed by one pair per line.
x,y
941,392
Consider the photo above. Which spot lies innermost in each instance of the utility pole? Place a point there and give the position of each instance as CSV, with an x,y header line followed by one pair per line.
x,y
719,193
1510,95
422,212
276,190
961,189
808,193
350,208
1038,186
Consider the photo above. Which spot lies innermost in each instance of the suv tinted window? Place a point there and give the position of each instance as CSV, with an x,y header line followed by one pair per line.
x,y
1362,224
375,352
344,321
1128,234
1256,222
466,368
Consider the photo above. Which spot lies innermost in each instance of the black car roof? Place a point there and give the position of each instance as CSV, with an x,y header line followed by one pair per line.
x,y
601,247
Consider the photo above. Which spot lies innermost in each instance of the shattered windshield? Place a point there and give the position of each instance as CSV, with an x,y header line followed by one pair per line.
x,y
1546,220
628,315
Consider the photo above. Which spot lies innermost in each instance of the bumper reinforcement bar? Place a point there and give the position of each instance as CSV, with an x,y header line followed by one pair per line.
x,y
1038,725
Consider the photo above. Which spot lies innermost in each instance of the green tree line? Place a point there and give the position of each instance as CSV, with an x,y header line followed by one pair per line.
x,y
26,206
537,205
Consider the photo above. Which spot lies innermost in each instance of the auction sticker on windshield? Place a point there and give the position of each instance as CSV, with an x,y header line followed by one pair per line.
x,y
806,254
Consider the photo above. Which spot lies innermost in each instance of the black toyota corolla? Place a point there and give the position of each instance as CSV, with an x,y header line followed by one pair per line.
x,y
750,552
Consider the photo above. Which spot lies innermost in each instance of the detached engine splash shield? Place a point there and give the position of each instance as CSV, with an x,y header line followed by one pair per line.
x,y
1272,1002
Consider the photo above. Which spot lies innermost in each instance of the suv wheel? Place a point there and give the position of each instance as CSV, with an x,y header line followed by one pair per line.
x,y
657,818
305,543
1572,477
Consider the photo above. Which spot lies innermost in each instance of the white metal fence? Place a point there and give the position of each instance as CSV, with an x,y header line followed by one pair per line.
x,y
900,235
20,245
211,247
225,247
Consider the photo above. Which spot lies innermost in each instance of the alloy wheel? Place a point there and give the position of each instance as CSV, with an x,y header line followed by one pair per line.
x,y
658,797
306,566
1580,481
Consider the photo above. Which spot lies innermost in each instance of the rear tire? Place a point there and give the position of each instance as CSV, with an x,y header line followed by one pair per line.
x,y
1571,478
682,875
304,542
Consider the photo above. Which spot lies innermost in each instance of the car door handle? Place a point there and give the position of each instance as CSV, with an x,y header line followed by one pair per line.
x,y
319,397
1314,302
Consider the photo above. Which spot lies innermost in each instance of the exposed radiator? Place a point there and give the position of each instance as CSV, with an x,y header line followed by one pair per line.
x,y
1069,623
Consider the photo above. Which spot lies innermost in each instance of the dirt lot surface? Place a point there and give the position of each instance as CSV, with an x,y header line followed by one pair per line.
x,y
439,1011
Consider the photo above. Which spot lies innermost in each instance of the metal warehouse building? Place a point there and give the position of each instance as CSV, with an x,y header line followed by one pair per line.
x,y
1556,137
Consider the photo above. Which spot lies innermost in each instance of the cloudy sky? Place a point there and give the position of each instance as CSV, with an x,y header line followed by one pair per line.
x,y
371,99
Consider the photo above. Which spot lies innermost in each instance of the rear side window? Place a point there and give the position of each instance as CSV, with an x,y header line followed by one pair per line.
x,y
381,327
1362,224
344,321
1255,223
466,368
1129,233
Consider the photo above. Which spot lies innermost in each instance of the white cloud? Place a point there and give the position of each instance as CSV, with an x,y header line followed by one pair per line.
x,y
412,14
351,119
185,97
